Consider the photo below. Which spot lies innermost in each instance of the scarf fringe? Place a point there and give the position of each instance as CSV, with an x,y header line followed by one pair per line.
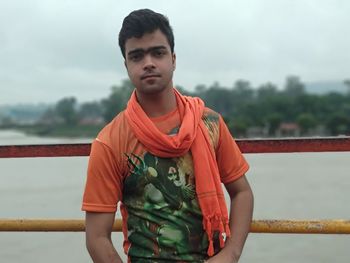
x,y
216,223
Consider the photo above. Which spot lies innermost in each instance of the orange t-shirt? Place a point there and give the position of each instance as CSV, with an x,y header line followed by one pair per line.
x,y
161,216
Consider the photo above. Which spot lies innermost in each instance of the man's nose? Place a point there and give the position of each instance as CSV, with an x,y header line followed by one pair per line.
x,y
148,62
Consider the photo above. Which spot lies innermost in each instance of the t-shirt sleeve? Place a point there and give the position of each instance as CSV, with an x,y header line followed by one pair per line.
x,y
231,162
103,187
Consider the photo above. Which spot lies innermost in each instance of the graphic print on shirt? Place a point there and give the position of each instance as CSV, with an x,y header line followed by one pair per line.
x,y
164,218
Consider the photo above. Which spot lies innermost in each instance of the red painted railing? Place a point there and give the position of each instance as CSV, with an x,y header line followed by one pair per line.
x,y
331,144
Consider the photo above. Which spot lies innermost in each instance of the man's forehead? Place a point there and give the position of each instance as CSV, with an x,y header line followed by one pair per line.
x,y
147,41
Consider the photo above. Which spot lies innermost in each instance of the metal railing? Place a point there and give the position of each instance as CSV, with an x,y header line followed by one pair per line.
x,y
331,144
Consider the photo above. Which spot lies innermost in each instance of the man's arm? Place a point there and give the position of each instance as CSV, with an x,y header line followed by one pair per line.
x,y
98,237
241,213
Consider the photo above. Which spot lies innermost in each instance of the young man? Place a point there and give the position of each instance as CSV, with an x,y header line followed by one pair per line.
x,y
164,159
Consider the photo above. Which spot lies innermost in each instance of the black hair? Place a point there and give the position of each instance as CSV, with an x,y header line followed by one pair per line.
x,y
142,21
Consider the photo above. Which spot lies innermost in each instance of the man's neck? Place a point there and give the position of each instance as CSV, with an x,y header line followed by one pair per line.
x,y
155,105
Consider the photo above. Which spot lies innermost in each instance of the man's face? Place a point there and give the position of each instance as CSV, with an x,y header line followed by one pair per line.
x,y
150,63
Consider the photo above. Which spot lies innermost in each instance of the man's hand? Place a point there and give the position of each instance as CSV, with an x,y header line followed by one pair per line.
x,y
223,257
240,220
98,237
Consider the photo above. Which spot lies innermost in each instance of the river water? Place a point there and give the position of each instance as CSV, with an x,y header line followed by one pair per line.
x,y
286,186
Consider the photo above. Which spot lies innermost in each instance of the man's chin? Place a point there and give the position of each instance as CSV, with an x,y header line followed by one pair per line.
x,y
151,89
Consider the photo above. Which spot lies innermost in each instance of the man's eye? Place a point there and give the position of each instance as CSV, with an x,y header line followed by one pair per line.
x,y
136,57
158,53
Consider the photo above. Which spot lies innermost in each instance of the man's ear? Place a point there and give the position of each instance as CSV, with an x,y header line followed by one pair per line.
x,y
174,61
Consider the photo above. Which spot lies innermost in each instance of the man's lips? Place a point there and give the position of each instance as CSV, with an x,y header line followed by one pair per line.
x,y
150,76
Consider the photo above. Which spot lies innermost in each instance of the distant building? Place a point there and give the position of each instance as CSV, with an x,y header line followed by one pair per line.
x,y
50,118
257,132
91,121
288,129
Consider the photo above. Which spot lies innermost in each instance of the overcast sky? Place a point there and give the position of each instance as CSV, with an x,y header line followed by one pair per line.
x,y
50,49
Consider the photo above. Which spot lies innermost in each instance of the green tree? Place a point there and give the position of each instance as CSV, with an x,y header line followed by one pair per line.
x,y
267,90
238,127
338,123
66,109
49,117
218,98
117,100
294,87
243,91
347,84
273,121
90,109
306,122
200,90
6,121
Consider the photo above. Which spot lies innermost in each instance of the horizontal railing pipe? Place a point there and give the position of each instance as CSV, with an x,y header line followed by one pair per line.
x,y
257,226
285,145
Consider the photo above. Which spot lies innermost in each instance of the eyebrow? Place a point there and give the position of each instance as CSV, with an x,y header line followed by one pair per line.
x,y
141,50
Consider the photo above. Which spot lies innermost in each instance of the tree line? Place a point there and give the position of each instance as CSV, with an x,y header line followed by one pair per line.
x,y
262,109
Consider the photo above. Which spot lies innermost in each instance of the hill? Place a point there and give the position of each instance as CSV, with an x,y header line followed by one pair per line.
x,y
323,87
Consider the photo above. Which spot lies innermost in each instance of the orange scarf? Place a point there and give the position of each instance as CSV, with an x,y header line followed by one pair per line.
x,y
193,135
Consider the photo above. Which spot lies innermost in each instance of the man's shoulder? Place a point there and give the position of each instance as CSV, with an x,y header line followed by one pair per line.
x,y
211,120
118,126
209,115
